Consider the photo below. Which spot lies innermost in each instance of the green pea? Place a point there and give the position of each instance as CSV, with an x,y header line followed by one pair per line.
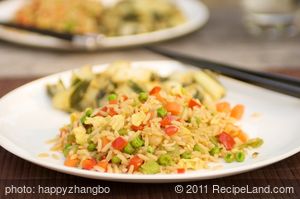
x,y
229,157
88,113
161,112
150,149
137,142
197,147
112,97
122,132
186,155
240,156
128,149
143,96
165,160
67,149
214,151
116,160
91,147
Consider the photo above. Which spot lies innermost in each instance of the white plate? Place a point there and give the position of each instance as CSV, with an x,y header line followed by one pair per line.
x,y
27,121
196,12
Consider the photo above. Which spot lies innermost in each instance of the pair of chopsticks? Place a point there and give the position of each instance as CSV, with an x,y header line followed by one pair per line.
x,y
89,41
280,83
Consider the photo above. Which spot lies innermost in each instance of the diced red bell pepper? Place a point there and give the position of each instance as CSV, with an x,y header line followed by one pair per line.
x,y
226,140
180,170
171,130
167,120
119,143
113,101
137,128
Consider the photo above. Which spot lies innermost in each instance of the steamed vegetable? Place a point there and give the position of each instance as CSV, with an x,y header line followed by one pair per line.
x,y
88,89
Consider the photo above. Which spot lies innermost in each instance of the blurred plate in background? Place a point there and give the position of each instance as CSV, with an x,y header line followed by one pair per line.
x,y
196,13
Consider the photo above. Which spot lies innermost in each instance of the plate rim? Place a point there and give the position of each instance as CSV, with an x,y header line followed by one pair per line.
x,y
9,34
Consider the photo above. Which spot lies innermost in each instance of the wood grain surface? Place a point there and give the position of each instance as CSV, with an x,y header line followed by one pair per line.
x,y
19,173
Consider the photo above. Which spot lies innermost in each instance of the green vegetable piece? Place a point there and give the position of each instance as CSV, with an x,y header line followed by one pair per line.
x,y
240,156
143,96
91,147
112,97
214,151
165,160
122,132
135,87
197,147
89,130
128,149
198,120
150,167
229,157
161,112
116,160
67,149
255,143
137,142
186,155
53,89
71,138
88,113
214,140
150,149
77,93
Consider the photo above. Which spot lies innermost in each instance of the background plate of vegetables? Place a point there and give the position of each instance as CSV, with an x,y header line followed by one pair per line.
x,y
29,122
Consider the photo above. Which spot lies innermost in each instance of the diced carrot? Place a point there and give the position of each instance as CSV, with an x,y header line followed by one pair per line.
x,y
113,101
160,98
223,107
105,141
193,103
137,128
88,164
155,90
173,108
102,111
237,111
180,170
242,136
103,164
124,97
71,162
136,162
111,111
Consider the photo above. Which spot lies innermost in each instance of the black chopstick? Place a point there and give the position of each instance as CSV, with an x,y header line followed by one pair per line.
x,y
279,83
88,41
59,35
